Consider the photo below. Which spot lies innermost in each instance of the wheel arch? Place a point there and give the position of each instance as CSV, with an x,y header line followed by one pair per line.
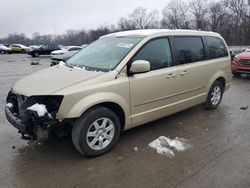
x,y
219,76
116,108
222,80
114,102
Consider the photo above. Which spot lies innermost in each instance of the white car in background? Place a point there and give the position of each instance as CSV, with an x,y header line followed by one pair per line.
x,y
64,54
4,49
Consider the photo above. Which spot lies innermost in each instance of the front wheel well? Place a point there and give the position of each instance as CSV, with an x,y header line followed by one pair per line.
x,y
117,109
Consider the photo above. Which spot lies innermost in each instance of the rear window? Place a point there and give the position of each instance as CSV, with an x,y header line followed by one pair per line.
x,y
216,47
189,49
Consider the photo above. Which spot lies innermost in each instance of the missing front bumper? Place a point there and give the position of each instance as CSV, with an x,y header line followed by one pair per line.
x,y
37,129
29,124
17,123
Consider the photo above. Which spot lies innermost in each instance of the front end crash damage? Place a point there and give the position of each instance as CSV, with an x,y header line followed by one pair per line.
x,y
33,116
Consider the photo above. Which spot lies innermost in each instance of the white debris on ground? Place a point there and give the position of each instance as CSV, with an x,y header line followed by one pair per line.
x,y
164,145
39,108
10,105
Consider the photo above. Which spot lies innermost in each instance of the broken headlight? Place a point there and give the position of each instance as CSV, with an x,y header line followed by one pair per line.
x,y
52,103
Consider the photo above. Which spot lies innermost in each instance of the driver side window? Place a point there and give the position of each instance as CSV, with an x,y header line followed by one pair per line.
x,y
157,52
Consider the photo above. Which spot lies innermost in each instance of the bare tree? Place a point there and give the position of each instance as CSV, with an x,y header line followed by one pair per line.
x,y
125,24
199,9
239,7
230,18
41,39
218,16
176,15
141,19
16,38
240,21
100,31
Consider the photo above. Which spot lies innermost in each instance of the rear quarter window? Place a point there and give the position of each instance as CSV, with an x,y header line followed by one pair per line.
x,y
215,47
189,49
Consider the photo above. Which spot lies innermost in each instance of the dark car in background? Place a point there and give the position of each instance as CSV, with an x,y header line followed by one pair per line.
x,y
241,63
43,50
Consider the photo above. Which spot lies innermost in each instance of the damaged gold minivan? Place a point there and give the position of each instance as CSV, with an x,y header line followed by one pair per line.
x,y
120,81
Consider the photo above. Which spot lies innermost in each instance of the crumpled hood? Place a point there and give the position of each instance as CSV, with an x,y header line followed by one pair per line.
x,y
48,81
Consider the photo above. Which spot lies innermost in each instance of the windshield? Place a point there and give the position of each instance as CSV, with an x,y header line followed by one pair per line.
x,y
104,54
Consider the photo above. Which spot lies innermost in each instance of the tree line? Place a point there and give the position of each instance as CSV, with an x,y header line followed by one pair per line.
x,y
230,18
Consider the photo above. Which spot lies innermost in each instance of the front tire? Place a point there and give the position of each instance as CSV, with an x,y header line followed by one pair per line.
x,y
214,96
96,131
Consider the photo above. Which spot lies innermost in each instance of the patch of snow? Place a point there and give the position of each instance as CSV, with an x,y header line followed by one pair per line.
x,y
166,146
156,144
61,63
78,68
39,108
10,105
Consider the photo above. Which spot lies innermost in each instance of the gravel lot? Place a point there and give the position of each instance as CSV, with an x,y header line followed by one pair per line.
x,y
219,156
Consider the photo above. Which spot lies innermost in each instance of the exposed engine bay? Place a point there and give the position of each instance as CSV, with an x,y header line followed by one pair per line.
x,y
35,116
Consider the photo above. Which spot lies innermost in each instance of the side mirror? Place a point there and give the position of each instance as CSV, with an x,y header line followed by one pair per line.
x,y
139,66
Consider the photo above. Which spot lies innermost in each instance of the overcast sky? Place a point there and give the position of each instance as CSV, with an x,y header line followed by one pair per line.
x,y
56,16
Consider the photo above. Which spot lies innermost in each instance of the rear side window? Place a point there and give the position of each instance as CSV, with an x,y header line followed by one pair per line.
x,y
189,49
216,47
157,52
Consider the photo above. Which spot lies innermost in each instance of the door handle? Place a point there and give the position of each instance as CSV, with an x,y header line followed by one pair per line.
x,y
171,75
183,73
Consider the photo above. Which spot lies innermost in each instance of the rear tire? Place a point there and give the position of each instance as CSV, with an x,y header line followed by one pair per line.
x,y
96,132
214,96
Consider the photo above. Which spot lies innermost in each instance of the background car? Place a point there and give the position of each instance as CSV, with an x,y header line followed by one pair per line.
x,y
18,48
241,63
64,54
44,50
4,49
34,46
30,48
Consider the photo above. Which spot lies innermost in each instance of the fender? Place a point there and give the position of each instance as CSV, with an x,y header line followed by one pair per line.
x,y
213,78
94,99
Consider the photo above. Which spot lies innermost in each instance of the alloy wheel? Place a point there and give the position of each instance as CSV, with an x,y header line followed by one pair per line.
x,y
100,133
